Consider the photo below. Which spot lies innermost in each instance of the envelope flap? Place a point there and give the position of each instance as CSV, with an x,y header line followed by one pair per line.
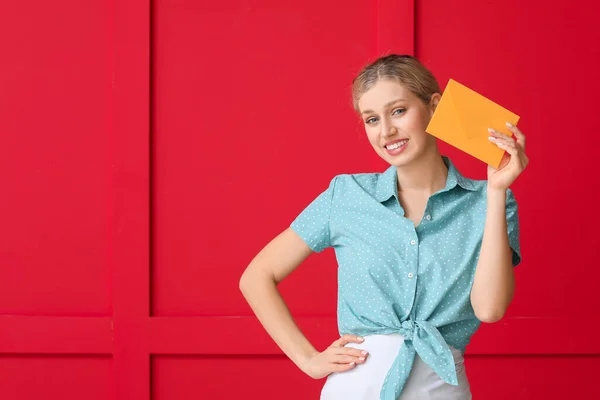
x,y
476,113
469,108
462,118
454,106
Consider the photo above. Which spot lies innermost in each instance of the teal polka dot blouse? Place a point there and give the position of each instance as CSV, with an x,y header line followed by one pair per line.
x,y
394,277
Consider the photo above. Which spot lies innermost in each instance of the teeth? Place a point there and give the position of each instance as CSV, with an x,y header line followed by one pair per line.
x,y
396,145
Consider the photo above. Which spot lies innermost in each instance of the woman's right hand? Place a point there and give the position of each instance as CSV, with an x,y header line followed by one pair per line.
x,y
336,358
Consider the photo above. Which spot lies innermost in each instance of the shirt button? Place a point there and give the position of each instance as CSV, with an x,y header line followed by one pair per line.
x,y
410,275
413,242
428,217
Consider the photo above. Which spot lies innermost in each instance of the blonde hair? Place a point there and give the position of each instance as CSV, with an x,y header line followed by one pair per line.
x,y
404,69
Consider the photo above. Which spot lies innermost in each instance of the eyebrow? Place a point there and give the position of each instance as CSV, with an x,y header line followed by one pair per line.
x,y
389,104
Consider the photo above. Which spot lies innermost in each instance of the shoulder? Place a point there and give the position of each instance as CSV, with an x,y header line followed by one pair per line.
x,y
479,187
363,181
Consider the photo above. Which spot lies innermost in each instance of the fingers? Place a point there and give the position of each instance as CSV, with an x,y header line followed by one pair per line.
x,y
508,144
508,147
347,355
518,134
504,142
349,351
342,367
499,135
344,359
345,339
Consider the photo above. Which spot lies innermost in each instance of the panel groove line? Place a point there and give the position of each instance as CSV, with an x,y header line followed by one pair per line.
x,y
130,137
219,335
55,335
395,27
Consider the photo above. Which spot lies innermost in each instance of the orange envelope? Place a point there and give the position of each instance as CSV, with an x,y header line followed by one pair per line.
x,y
462,119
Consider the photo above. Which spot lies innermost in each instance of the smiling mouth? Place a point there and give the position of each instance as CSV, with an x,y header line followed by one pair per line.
x,y
396,145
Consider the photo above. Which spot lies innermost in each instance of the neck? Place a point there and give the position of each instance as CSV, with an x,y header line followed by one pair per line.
x,y
427,175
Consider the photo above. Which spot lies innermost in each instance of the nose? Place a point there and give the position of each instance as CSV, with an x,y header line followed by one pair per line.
x,y
388,129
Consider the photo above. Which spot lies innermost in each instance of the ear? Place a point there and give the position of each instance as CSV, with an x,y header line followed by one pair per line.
x,y
433,103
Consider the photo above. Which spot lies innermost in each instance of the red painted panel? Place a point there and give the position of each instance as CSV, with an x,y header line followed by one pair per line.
x,y
54,114
219,335
222,377
130,231
532,378
238,114
252,117
224,183
55,335
55,377
395,27
539,60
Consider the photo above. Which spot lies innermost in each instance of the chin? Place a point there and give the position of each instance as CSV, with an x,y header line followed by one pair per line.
x,y
400,160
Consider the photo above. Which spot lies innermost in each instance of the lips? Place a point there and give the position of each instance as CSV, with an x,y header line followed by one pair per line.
x,y
395,144
396,147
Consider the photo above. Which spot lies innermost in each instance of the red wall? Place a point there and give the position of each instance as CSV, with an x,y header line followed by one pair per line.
x,y
149,150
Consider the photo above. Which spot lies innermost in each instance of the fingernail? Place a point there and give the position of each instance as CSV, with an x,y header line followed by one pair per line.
x,y
364,353
360,339
352,363
509,124
493,139
491,130
361,358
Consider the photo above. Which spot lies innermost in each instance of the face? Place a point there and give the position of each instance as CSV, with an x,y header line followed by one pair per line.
x,y
395,121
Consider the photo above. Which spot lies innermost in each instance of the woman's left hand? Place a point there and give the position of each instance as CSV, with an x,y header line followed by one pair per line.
x,y
514,161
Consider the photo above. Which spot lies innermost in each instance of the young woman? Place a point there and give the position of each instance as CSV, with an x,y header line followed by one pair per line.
x,y
424,253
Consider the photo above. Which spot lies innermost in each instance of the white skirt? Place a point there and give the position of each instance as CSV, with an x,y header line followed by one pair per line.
x,y
364,381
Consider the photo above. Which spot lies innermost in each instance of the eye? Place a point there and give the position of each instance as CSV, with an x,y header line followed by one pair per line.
x,y
398,111
371,120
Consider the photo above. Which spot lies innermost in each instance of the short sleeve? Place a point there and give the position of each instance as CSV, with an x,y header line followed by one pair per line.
x,y
312,225
512,221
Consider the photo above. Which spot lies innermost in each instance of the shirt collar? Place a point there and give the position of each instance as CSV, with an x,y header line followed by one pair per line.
x,y
387,184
